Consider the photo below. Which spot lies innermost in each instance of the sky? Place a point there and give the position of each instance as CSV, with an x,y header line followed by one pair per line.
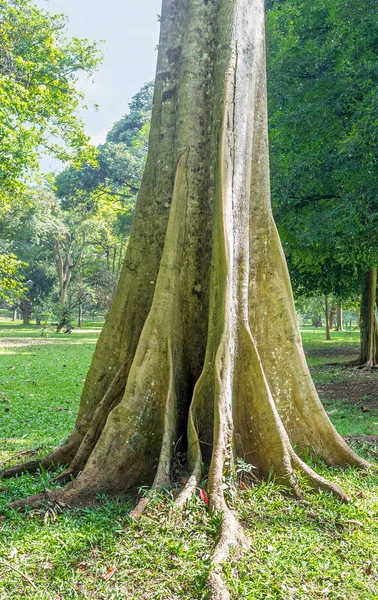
x,y
130,31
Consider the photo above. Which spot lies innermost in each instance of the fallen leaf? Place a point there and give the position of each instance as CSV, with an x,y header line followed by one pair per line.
x,y
368,568
12,553
110,573
204,497
242,484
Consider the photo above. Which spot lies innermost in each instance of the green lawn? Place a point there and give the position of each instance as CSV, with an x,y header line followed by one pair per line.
x,y
314,548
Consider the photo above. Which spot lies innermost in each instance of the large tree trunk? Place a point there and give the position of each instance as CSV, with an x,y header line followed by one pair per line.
x,y
202,343
369,331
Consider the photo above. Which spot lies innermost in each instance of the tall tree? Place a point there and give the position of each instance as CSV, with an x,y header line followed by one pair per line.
x,y
39,70
323,75
369,328
201,344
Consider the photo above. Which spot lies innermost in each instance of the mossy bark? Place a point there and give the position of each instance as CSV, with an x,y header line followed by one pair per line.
x,y
202,346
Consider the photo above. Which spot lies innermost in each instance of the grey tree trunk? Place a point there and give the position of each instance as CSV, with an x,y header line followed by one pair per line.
x,y
332,315
202,343
80,314
368,321
327,318
339,326
26,311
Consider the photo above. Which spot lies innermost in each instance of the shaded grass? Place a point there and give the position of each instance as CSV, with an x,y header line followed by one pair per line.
x,y
315,548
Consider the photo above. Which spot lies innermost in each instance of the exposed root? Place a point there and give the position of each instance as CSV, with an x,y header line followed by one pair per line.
x,y
31,501
231,537
64,477
163,473
368,366
140,508
317,482
22,453
60,456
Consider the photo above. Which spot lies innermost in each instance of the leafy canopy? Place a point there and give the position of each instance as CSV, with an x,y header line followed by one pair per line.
x,y
39,71
322,74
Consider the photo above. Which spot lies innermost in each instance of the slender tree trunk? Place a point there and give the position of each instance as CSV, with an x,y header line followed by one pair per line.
x,y
327,319
26,311
332,315
339,323
358,316
80,314
369,331
15,315
202,342
114,259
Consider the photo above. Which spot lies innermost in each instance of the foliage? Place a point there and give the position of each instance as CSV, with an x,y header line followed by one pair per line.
x,y
11,279
322,74
39,70
120,163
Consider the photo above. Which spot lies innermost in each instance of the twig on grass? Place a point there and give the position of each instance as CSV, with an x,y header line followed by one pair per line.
x,y
9,566
22,453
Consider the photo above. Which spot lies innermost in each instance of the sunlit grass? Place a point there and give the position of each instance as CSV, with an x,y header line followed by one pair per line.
x,y
300,550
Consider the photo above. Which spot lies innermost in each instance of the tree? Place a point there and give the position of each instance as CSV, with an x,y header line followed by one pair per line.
x,y
322,89
201,344
120,163
39,70
11,279
369,329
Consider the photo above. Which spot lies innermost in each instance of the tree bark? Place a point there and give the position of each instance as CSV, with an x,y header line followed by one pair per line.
x,y
80,314
332,315
201,346
327,319
368,322
26,311
339,325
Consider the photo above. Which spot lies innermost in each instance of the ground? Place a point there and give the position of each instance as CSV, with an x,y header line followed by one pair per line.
x,y
309,549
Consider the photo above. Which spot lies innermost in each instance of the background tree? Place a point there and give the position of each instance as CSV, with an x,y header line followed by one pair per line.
x,y
322,81
39,70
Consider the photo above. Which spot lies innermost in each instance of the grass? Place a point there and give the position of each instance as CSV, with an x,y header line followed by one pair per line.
x,y
315,548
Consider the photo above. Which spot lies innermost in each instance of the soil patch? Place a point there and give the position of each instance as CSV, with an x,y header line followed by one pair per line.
x,y
352,384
